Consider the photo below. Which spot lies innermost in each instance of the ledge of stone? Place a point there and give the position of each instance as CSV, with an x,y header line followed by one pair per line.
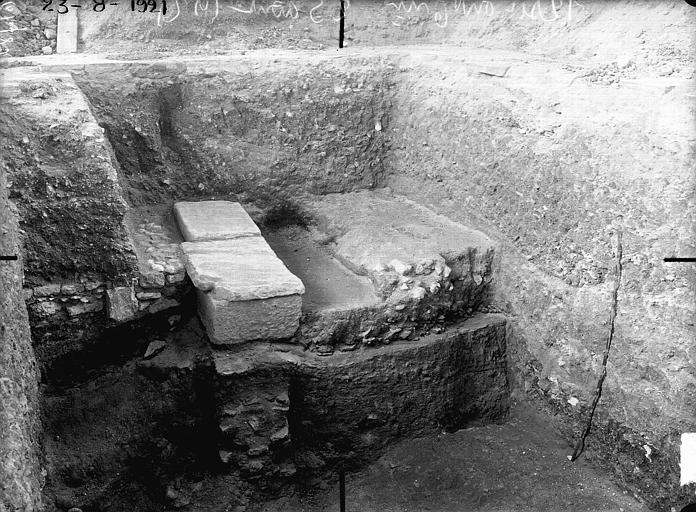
x,y
239,270
214,220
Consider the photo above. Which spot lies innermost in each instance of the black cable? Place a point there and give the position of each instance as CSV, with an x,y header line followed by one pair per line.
x,y
580,445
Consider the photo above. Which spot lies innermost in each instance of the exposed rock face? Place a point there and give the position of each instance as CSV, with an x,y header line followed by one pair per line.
x,y
21,479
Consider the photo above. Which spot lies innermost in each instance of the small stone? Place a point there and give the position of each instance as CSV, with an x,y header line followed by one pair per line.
x,y
666,70
50,33
424,267
225,456
325,350
122,304
71,289
163,304
81,309
173,266
47,308
380,267
75,509
255,451
174,319
148,295
142,306
154,348
47,50
280,435
47,290
400,267
392,333
171,493
418,292
176,278
92,285
573,401
152,280
35,22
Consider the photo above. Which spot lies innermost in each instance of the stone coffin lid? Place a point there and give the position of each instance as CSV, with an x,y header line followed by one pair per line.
x,y
214,220
239,270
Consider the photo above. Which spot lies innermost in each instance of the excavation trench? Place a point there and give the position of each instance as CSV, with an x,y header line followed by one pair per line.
x,y
417,315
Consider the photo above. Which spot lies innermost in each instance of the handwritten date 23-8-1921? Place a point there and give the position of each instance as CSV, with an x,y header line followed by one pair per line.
x,y
62,6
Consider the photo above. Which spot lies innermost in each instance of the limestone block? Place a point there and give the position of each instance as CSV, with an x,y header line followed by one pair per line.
x,y
176,278
214,220
71,289
151,280
239,270
148,295
45,309
47,290
121,303
89,307
231,322
245,291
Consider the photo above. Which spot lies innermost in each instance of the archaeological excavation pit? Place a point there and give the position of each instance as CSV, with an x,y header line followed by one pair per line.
x,y
252,266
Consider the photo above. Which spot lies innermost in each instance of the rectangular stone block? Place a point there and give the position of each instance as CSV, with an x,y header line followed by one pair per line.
x,y
214,220
67,32
231,322
239,270
245,292
121,303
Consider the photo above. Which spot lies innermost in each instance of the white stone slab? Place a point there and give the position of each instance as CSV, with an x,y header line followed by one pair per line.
x,y
688,458
245,293
232,322
237,270
67,35
214,220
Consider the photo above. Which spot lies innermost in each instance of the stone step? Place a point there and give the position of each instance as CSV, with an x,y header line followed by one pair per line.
x,y
423,265
245,292
214,220
359,401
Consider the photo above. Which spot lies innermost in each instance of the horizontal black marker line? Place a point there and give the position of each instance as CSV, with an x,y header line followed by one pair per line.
x,y
8,258
680,260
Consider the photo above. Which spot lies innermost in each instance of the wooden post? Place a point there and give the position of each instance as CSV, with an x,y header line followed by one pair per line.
x,y
67,32
342,489
342,25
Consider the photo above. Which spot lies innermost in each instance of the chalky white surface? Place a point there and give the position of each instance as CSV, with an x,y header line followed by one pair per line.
x,y
688,458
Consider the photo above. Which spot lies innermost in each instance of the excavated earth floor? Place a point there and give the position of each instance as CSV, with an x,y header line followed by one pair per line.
x,y
519,465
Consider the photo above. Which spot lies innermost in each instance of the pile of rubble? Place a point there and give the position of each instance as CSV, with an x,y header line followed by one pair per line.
x,y
26,30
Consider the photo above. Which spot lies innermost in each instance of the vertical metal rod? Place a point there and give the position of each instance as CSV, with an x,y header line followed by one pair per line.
x,y
342,489
341,26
